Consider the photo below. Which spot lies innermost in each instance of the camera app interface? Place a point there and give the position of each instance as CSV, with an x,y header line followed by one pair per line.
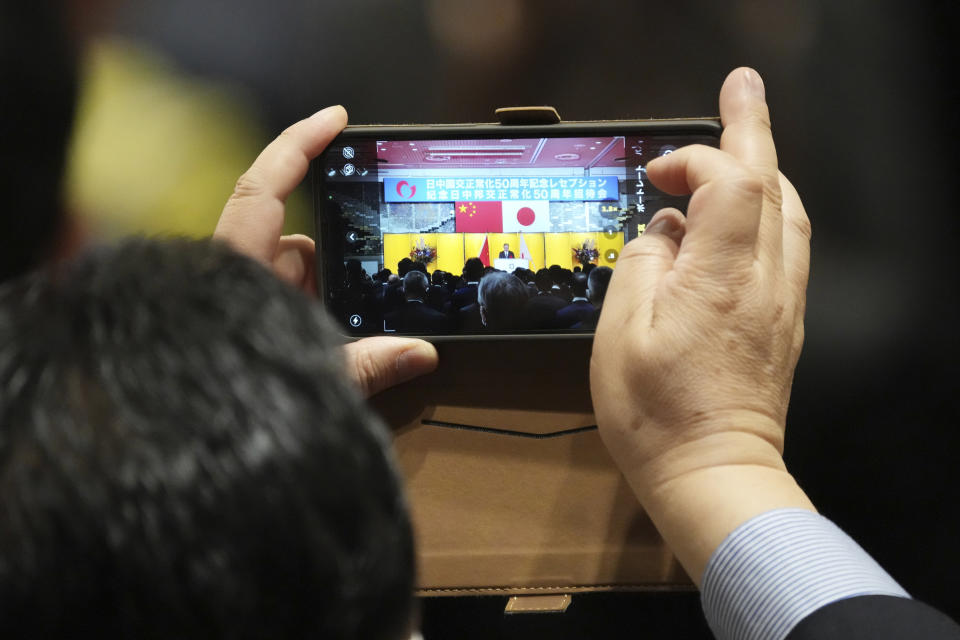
x,y
482,236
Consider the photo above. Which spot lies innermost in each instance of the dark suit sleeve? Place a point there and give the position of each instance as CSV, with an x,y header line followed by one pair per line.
x,y
875,618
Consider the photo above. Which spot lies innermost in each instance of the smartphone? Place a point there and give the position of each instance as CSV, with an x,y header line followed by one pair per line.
x,y
466,231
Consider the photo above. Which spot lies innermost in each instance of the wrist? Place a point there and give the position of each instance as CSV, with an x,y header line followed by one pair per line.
x,y
699,492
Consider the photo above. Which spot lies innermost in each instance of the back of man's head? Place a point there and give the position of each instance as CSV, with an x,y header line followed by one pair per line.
x,y
181,458
556,272
501,296
415,285
544,280
597,283
404,266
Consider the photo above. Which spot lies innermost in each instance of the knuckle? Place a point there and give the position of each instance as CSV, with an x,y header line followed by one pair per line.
x,y
249,184
746,182
759,117
755,184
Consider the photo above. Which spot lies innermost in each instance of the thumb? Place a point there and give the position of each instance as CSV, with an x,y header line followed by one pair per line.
x,y
382,362
642,264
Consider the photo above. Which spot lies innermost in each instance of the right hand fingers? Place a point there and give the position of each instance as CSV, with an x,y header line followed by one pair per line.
x,y
723,217
643,262
748,138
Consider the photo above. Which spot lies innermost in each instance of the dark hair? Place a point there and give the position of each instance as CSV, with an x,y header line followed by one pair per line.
x,y
598,281
524,274
404,266
579,287
181,457
544,280
39,79
473,270
556,272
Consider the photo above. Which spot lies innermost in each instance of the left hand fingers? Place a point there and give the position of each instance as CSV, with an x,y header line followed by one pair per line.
x,y
382,362
252,219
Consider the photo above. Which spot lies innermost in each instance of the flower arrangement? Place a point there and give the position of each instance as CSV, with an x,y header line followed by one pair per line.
x,y
423,253
586,253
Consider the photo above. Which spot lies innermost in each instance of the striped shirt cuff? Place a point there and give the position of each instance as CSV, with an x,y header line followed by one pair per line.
x,y
778,568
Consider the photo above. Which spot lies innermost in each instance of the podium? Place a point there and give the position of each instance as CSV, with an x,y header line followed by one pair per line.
x,y
509,264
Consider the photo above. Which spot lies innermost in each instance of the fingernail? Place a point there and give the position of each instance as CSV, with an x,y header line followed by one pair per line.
x,y
754,84
419,359
665,225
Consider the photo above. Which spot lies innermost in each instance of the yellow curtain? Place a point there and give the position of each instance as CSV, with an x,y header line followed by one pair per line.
x,y
472,243
453,249
559,249
449,253
396,247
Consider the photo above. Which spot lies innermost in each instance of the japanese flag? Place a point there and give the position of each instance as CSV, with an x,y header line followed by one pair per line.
x,y
526,215
524,250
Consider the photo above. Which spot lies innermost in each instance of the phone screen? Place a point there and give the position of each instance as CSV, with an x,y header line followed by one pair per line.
x,y
484,235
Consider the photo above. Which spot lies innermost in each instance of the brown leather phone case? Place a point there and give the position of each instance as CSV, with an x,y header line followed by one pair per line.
x,y
510,486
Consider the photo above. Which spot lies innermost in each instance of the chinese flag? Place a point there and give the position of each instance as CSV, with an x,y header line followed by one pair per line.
x,y
479,217
485,252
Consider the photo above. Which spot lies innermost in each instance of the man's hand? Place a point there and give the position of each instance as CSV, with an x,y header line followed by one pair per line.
x,y
376,364
252,221
700,332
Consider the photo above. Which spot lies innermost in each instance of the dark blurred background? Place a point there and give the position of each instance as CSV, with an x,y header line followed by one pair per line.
x,y
180,95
